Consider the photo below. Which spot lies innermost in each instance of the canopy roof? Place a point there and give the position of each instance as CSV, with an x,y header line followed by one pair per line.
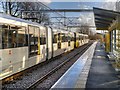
x,y
103,18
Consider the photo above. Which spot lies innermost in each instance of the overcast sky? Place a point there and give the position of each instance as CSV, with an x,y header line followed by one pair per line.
x,y
78,4
86,4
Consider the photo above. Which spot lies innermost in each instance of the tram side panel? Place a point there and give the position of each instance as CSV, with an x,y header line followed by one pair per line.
x,y
72,41
14,50
49,43
64,41
76,39
70,38
43,44
37,45
57,42
19,56
79,40
24,46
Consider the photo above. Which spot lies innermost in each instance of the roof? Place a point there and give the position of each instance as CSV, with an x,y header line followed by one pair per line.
x,y
8,18
104,18
14,20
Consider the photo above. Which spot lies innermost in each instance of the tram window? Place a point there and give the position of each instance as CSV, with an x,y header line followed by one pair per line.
x,y
58,36
34,35
37,34
63,37
5,31
69,38
66,38
55,38
42,36
12,38
31,40
77,38
42,40
37,39
26,39
31,35
21,37
0,37
72,38
81,37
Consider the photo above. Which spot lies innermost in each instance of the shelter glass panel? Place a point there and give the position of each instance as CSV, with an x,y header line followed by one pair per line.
x,y
118,41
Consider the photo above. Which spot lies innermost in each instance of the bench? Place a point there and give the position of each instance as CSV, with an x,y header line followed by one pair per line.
x,y
111,56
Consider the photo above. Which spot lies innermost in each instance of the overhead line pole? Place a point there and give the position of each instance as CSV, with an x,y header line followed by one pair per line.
x,y
59,10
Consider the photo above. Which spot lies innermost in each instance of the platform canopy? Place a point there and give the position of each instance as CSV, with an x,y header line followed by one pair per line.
x,y
103,18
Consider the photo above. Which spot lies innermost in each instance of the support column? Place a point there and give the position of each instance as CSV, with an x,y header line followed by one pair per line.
x,y
107,42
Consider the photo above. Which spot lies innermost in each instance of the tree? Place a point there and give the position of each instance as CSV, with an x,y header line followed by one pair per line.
x,y
17,9
11,8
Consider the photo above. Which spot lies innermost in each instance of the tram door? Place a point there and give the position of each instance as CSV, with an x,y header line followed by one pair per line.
x,y
74,40
49,43
34,41
59,41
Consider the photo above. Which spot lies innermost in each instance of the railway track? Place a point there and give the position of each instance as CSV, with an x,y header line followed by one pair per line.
x,y
36,75
51,72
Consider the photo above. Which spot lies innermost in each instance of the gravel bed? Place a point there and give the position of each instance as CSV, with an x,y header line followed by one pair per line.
x,y
47,84
30,77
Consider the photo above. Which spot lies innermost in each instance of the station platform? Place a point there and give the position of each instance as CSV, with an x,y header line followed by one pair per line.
x,y
101,73
92,70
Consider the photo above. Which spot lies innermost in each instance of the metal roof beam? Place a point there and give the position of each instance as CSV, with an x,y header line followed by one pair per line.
x,y
61,10
84,26
66,17
105,16
102,22
101,27
104,19
108,11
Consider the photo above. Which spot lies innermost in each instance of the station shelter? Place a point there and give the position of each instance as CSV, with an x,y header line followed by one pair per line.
x,y
109,20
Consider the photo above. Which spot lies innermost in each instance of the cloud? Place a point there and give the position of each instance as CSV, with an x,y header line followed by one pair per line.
x,y
83,0
111,0
109,5
45,1
87,19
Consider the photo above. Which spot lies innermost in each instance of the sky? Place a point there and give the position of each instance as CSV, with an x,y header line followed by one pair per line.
x,y
78,0
79,4
73,4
